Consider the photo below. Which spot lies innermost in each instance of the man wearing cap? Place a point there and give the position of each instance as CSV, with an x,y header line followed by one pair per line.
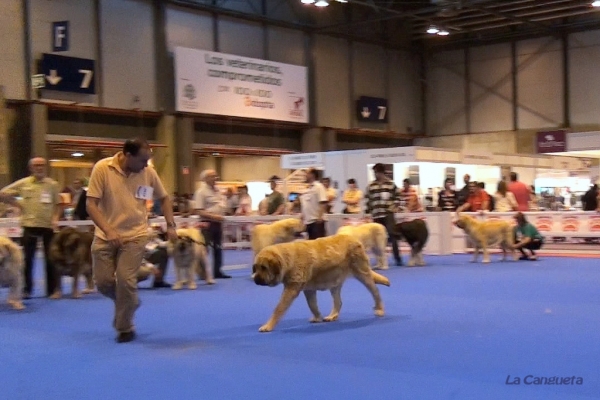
x,y
210,205
275,201
382,201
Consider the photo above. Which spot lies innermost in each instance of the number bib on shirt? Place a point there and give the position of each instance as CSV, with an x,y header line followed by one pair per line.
x,y
144,192
46,198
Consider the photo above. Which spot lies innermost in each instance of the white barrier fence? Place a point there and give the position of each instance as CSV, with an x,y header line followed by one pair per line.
x,y
444,237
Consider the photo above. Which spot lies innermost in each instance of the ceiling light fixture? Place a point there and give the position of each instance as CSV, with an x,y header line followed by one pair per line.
x,y
321,3
342,1
433,30
308,1
443,32
77,154
596,4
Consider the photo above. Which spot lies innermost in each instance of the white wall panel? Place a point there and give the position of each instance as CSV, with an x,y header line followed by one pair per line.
x,y
286,46
369,70
540,87
332,75
491,88
186,28
241,38
128,54
584,79
82,36
12,58
446,94
404,101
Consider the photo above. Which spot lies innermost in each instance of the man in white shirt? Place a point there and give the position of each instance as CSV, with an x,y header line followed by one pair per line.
x,y
210,205
314,204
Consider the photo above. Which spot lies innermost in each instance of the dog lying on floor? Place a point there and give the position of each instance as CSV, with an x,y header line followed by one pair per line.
x,y
70,252
308,266
373,236
415,233
282,231
11,271
189,256
487,233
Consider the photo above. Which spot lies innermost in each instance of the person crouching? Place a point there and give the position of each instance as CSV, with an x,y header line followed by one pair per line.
x,y
531,239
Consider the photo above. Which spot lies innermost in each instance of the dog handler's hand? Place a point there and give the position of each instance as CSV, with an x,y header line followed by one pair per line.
x,y
172,234
114,238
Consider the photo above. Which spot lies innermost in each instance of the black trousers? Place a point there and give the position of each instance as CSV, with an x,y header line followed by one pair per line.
x,y
386,221
214,239
532,246
30,240
316,230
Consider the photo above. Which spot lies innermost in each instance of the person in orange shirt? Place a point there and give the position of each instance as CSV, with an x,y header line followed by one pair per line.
x,y
477,201
409,199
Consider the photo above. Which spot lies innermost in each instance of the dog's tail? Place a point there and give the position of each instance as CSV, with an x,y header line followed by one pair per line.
x,y
380,279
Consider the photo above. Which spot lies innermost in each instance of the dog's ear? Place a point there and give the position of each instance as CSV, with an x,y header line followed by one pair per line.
x,y
275,268
4,251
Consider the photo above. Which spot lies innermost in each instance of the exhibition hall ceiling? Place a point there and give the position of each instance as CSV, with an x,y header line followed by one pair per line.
x,y
400,23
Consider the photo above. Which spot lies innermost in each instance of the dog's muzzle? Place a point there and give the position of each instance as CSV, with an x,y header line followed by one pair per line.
x,y
259,280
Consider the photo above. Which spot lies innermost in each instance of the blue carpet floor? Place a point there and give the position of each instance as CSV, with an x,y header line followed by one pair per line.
x,y
453,330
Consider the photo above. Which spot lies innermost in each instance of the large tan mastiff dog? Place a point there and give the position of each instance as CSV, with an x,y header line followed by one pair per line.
x,y
308,266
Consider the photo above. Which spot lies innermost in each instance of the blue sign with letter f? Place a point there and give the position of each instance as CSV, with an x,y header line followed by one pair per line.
x,y
60,36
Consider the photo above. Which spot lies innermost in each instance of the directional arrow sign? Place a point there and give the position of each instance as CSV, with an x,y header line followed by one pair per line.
x,y
372,109
53,78
69,74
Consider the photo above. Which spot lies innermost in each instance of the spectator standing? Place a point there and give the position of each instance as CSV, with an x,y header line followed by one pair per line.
x,y
352,198
275,201
381,203
331,194
313,206
409,198
210,205
40,209
504,200
447,198
521,192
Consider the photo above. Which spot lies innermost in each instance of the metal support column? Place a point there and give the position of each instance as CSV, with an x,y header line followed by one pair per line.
x,y
160,54
423,79
99,71
515,84
467,82
27,47
566,88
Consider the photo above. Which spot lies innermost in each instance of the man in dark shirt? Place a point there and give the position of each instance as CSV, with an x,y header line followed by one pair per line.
x,y
590,199
464,193
275,202
447,198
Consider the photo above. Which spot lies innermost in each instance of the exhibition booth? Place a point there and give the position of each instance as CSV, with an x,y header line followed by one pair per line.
x,y
427,168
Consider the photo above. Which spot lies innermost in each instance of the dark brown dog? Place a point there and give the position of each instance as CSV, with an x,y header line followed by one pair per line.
x,y
416,234
70,252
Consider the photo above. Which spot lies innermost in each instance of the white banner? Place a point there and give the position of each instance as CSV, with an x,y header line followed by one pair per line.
x,y
215,83
391,155
302,160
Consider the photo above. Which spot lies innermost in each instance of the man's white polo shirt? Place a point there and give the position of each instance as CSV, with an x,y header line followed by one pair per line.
x,y
310,201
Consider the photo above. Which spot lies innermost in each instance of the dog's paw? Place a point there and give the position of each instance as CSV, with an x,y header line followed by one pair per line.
x,y
76,295
16,305
411,263
379,312
177,286
192,286
210,281
265,328
87,291
331,318
56,295
315,320
486,261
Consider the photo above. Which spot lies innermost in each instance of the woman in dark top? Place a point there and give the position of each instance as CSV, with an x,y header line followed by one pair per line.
x,y
447,200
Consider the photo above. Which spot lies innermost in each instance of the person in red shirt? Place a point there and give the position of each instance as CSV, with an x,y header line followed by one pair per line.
x,y
478,199
521,192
